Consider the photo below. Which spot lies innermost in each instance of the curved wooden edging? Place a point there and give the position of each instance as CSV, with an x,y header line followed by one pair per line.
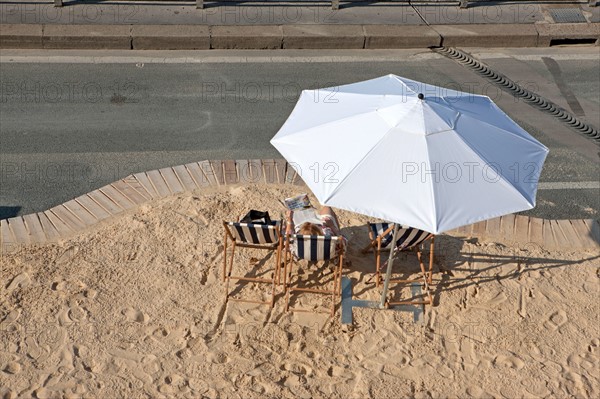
x,y
78,214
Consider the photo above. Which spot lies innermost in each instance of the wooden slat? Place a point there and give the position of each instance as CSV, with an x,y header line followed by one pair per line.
x,y
549,240
17,225
298,180
492,230
208,171
588,224
575,231
479,230
290,174
128,191
255,171
159,184
196,173
106,203
281,168
243,172
51,232
92,207
230,173
172,181
185,178
145,182
116,197
135,184
594,228
217,168
68,218
521,230
561,240
584,234
536,231
569,233
269,170
63,229
6,236
507,228
81,213
465,231
35,228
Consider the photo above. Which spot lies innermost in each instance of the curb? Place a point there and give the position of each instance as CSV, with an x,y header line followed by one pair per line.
x,y
91,209
204,37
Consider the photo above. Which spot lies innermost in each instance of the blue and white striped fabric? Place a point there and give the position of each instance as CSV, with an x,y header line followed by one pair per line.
x,y
409,236
256,233
314,248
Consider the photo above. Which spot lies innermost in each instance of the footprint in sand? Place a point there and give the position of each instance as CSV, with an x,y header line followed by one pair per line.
x,y
556,320
63,317
150,364
49,340
198,385
509,391
135,315
66,364
591,286
20,281
476,392
297,368
77,314
8,324
294,384
218,357
573,383
12,368
536,387
42,393
497,300
573,371
70,315
258,387
509,361
12,316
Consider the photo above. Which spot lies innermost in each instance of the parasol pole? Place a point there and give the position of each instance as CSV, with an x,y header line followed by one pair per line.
x,y
388,273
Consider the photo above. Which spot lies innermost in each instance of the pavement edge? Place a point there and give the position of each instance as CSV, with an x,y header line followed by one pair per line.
x,y
186,37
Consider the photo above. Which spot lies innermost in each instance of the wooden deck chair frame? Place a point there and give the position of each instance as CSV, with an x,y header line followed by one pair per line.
x,y
376,245
275,246
290,258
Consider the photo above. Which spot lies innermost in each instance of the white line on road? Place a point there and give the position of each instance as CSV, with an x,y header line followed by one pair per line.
x,y
569,185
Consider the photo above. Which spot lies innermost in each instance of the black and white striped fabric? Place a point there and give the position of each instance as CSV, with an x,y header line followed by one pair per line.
x,y
409,236
314,248
256,233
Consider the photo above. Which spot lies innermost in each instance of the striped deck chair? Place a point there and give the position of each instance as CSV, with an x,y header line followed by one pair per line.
x,y
256,236
410,239
314,248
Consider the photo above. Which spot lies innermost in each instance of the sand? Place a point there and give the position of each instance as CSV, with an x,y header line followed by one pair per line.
x,y
135,308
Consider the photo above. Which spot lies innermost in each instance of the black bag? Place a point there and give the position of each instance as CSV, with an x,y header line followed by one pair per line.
x,y
256,217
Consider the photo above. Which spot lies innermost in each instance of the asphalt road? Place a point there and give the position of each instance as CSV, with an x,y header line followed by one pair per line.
x,y
70,125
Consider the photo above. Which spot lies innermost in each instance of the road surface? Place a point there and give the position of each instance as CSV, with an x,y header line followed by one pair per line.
x,y
71,122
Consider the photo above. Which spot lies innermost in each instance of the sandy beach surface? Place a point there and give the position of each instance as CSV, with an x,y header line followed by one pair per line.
x,y
135,308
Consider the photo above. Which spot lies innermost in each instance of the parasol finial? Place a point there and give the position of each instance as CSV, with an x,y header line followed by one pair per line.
x,y
420,96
